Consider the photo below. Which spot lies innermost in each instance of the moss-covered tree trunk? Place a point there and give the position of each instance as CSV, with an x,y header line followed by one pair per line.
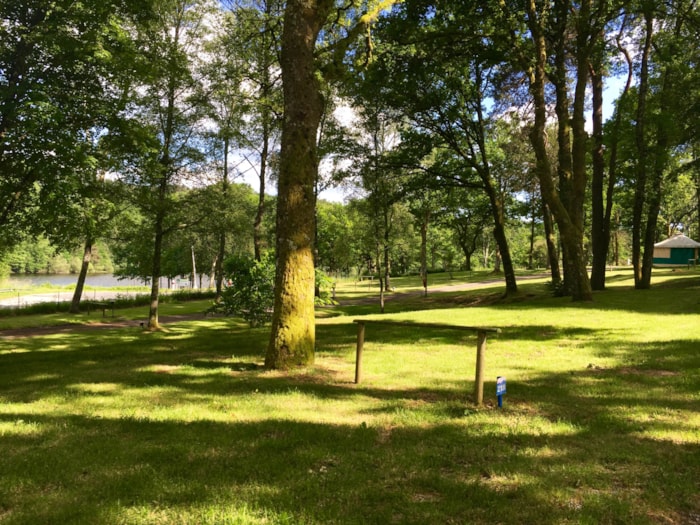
x,y
293,336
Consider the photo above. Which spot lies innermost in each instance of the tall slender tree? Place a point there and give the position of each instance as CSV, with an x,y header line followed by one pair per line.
x,y
158,146
293,336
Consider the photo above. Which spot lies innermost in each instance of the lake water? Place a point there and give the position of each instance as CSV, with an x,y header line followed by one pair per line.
x,y
100,280
22,296
103,280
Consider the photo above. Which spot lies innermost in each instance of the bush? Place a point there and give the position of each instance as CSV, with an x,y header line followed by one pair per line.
x,y
325,286
250,289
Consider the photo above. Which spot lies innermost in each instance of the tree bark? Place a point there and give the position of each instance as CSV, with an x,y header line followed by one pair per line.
x,y
496,201
531,249
603,207
293,336
221,253
153,323
260,212
600,228
78,293
566,202
424,251
661,157
388,217
551,241
641,168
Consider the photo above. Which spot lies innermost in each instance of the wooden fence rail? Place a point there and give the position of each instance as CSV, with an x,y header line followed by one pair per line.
x,y
481,332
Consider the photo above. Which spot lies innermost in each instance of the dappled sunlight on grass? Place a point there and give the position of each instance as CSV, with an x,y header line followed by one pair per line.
x,y
20,427
600,424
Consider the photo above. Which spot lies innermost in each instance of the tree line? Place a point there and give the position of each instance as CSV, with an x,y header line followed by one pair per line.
x,y
131,120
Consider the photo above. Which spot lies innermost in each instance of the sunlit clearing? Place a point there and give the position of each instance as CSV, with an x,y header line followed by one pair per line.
x,y
42,377
20,427
96,388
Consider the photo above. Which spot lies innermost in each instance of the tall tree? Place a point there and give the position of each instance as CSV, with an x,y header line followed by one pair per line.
x,y
657,131
293,337
160,145
446,94
553,49
55,60
253,41
602,201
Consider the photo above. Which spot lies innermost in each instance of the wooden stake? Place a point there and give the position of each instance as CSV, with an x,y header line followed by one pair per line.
x,y
479,376
358,356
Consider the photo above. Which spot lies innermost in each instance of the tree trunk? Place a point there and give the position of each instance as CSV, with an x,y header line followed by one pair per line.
x,y
486,249
496,201
697,195
153,323
260,212
551,241
381,278
424,252
602,217
293,336
661,156
221,253
387,254
566,202
600,229
641,168
531,250
77,295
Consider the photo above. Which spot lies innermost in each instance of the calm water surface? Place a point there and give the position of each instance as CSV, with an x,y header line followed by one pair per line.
x,y
100,280
104,280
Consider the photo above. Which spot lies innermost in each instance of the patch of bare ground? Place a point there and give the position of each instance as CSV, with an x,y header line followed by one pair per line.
x,y
647,372
471,300
332,371
630,370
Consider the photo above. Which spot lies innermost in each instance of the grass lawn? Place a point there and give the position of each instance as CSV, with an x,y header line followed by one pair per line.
x,y
600,424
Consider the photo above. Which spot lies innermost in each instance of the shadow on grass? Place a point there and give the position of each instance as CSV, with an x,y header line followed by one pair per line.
x,y
592,446
79,469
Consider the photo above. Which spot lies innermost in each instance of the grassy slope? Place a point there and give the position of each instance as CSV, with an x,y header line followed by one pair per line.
x,y
601,421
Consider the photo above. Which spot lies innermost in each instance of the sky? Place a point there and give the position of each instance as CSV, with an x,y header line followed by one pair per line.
x,y
612,90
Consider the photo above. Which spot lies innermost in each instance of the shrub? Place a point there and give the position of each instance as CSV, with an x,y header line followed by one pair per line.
x,y
325,286
250,289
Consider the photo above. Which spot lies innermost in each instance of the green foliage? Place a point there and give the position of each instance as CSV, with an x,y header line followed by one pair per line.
x,y
336,241
250,290
59,62
4,267
41,256
326,289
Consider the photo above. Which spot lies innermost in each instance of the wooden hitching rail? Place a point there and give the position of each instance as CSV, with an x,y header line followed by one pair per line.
x,y
104,306
481,332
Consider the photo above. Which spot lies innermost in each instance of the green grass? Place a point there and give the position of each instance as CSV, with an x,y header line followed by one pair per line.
x,y
601,422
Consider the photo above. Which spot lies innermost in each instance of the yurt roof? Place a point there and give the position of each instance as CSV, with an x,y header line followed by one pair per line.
x,y
678,241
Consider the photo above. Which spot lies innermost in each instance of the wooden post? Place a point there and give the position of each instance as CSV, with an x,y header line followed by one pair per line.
x,y
479,377
358,356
